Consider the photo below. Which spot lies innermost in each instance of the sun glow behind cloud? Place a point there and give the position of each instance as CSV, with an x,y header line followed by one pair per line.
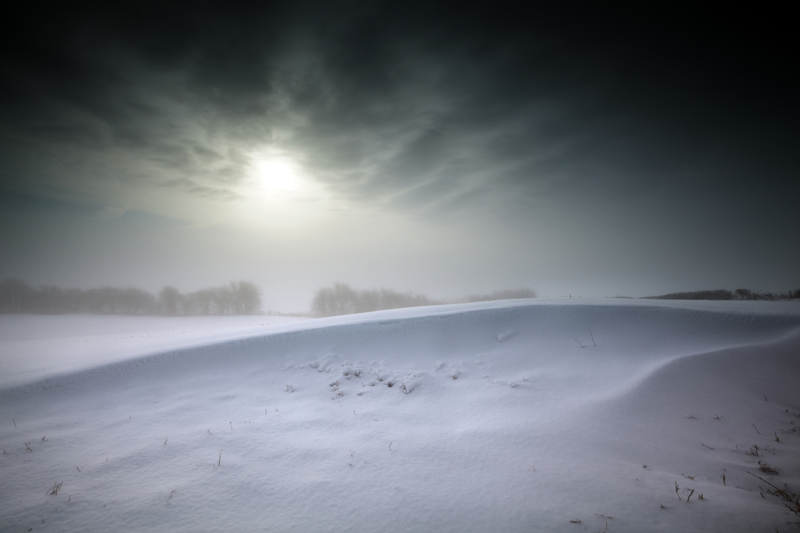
x,y
280,194
276,173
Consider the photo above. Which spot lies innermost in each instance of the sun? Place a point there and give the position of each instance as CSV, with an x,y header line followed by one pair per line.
x,y
280,194
276,173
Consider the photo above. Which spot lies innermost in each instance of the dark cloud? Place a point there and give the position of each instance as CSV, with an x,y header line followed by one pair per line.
x,y
384,99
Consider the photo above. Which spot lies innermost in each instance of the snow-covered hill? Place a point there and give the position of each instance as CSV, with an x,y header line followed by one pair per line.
x,y
503,416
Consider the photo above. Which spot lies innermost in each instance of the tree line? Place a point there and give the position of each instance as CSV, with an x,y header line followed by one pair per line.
x,y
342,299
234,298
723,294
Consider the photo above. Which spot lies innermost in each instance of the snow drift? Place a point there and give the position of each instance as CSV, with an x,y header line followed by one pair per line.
x,y
499,416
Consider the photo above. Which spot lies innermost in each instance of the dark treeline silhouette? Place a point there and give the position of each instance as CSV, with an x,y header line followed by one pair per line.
x,y
722,294
342,299
235,298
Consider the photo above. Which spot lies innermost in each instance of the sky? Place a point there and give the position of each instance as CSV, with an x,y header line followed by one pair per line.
x,y
439,148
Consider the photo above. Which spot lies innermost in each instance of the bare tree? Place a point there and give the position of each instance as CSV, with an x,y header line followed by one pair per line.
x,y
321,305
223,300
246,296
341,299
368,300
202,301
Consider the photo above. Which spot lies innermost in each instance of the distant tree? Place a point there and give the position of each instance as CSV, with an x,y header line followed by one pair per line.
x,y
321,305
719,294
341,299
390,299
223,300
138,302
761,295
246,297
185,305
393,300
111,300
202,301
368,300
169,300
345,298
744,294
241,297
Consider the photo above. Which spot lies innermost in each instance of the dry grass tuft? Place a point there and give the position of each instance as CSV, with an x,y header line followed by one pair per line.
x,y
764,467
791,501
55,489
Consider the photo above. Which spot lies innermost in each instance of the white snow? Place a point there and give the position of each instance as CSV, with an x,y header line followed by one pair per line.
x,y
33,347
496,416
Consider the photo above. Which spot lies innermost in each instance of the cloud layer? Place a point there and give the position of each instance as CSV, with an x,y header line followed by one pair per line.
x,y
563,119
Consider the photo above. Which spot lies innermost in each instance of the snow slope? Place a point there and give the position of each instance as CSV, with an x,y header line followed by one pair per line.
x,y
499,416
33,347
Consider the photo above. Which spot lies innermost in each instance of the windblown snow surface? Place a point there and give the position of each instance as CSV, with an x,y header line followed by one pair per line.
x,y
526,415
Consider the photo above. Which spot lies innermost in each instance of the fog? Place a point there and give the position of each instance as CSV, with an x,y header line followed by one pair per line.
x,y
440,150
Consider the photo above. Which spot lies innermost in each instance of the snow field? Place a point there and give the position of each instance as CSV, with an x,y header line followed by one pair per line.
x,y
40,346
496,420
